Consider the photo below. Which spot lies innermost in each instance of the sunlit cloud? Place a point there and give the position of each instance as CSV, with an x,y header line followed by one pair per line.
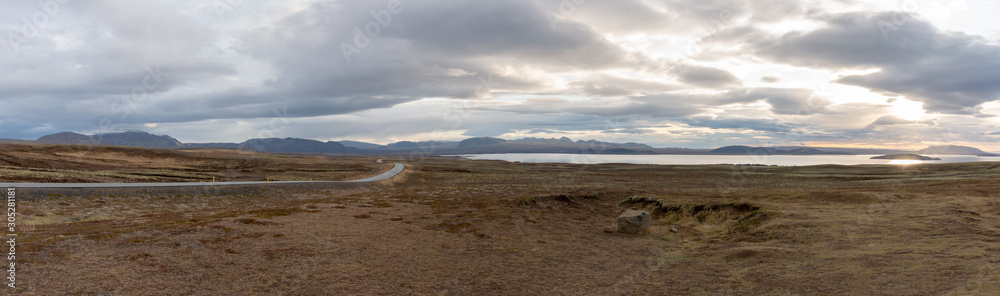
x,y
667,73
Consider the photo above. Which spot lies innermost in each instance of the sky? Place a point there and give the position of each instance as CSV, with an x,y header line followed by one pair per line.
x,y
669,73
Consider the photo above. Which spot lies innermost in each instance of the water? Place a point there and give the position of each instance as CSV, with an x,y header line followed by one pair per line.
x,y
782,160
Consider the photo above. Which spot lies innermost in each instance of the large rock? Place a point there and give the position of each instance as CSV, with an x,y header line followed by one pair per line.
x,y
634,222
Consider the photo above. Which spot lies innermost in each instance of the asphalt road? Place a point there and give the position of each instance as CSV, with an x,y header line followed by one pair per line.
x,y
396,169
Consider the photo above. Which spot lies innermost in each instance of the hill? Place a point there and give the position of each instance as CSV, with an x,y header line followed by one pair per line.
x,y
212,145
138,139
480,142
66,138
905,156
65,163
295,145
543,140
469,146
838,150
360,145
738,149
951,150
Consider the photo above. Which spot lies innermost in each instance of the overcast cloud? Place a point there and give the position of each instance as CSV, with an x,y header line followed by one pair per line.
x,y
669,73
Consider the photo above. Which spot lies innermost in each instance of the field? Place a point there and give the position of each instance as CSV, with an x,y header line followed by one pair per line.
x,y
462,227
102,164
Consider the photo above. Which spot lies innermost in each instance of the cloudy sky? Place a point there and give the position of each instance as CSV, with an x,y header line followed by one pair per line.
x,y
670,73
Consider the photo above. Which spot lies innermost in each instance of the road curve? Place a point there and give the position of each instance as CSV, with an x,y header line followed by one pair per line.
x,y
396,169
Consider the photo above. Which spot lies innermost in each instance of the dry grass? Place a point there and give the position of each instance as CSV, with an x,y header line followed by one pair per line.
x,y
458,227
101,164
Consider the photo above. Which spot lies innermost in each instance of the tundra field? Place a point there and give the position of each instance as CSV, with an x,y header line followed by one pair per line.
x,y
449,226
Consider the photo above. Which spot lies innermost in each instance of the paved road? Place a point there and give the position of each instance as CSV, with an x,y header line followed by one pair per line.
x,y
396,169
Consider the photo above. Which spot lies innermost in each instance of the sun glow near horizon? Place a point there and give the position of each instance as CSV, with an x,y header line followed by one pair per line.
x,y
909,110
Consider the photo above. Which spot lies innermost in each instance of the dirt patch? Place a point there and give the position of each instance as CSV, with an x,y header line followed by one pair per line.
x,y
733,217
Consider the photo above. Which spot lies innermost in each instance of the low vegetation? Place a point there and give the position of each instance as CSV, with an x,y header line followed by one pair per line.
x,y
103,164
452,226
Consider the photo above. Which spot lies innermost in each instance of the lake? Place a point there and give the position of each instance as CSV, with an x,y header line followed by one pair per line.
x,y
782,160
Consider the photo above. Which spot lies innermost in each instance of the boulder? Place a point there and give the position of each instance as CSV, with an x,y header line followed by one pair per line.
x,y
634,222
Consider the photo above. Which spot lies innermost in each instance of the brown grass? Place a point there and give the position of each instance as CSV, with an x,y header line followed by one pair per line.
x,y
459,227
102,164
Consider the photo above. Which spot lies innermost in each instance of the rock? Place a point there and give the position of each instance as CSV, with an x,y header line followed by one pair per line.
x,y
634,222
673,229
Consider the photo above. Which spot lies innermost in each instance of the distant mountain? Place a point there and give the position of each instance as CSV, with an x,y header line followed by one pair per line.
x,y
525,145
905,156
137,139
738,149
403,145
543,140
360,145
467,146
66,138
838,150
804,151
600,143
295,145
480,142
421,146
951,150
212,145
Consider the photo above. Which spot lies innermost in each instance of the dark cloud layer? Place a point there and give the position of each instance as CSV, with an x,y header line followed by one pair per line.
x,y
950,72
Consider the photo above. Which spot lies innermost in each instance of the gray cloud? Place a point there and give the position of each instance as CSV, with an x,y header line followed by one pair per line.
x,y
740,123
610,85
950,72
622,16
783,101
606,108
504,64
518,31
634,131
706,76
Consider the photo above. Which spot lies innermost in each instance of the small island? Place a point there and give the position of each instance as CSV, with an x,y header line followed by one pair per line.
x,y
905,157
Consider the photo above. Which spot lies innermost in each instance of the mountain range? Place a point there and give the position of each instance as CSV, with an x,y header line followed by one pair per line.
x,y
468,146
